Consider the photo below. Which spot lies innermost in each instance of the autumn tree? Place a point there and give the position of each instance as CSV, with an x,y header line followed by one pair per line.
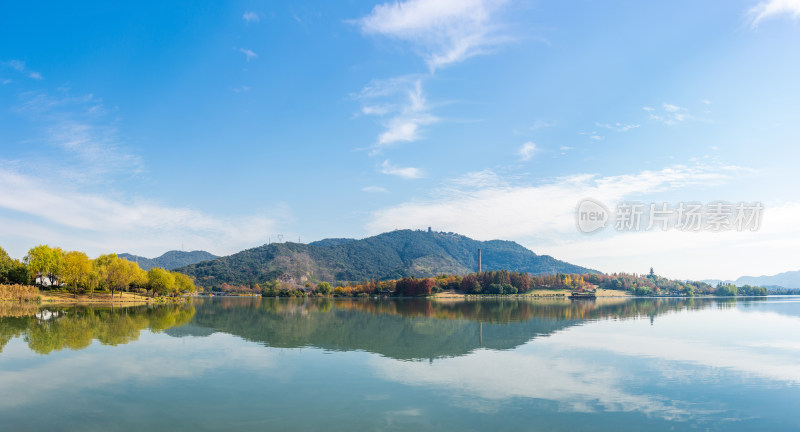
x,y
160,281
44,261
324,288
77,270
184,283
120,274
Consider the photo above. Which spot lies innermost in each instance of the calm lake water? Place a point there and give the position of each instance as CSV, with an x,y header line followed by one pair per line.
x,y
270,364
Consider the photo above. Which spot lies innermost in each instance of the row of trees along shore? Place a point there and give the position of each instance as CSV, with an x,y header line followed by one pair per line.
x,y
500,282
53,268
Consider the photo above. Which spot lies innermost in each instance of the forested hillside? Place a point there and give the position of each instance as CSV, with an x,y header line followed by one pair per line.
x,y
390,255
170,260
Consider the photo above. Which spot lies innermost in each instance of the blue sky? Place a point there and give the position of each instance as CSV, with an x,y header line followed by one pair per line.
x,y
143,127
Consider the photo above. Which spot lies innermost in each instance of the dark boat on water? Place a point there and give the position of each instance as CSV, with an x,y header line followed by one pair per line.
x,y
583,295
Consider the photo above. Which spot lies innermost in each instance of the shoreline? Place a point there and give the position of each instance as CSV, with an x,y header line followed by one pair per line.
x,y
120,298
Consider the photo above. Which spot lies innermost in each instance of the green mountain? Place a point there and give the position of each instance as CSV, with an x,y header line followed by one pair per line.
x,y
170,260
386,256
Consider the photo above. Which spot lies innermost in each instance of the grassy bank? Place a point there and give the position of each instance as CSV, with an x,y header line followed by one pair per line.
x,y
119,298
30,294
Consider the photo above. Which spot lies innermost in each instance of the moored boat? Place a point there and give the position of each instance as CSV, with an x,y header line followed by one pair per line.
x,y
583,295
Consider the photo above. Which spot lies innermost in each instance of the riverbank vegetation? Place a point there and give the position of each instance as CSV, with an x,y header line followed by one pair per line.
x,y
503,282
18,292
52,269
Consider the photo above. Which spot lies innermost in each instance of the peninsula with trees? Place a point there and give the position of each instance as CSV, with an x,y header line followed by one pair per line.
x,y
56,272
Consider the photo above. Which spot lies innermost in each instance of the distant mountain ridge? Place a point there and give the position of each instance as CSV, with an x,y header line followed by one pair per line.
x,y
170,260
789,279
390,255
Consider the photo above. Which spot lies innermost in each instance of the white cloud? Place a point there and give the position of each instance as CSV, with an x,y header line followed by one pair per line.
x,y
375,110
71,195
20,67
670,114
773,8
375,189
403,101
691,255
619,127
249,17
526,151
593,135
404,172
445,31
545,210
95,222
242,89
399,129
249,54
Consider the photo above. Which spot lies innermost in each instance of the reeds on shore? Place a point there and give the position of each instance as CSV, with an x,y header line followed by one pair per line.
x,y
17,292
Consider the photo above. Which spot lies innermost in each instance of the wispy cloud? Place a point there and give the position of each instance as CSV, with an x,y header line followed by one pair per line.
x,y
20,67
81,128
375,189
541,124
618,127
669,114
526,151
249,17
402,105
249,54
242,89
593,135
443,31
772,8
404,172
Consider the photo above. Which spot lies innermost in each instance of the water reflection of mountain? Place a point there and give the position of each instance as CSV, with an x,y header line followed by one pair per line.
x,y
54,328
413,329
401,329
